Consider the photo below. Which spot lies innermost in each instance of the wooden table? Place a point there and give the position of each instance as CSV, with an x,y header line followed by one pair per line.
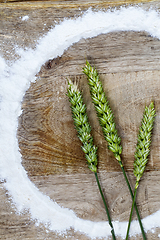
x,y
129,66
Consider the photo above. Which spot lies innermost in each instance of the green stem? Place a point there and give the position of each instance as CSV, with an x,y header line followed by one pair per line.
x,y
130,218
129,187
107,211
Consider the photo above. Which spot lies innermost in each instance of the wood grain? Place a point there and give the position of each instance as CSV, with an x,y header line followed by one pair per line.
x,y
128,63
70,4
47,138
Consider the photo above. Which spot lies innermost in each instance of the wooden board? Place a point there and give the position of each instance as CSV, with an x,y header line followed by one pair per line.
x,y
128,63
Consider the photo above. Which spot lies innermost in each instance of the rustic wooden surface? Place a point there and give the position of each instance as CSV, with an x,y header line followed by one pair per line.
x,y
128,63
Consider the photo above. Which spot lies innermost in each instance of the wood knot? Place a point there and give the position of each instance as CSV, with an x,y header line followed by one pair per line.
x,y
52,63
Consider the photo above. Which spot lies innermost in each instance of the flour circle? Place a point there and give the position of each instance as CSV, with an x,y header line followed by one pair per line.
x,y
16,79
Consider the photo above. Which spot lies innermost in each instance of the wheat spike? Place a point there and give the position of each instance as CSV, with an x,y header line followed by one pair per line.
x,y
84,133
106,120
142,151
144,141
103,110
82,125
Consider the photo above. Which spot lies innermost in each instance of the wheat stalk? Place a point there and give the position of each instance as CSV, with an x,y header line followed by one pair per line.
x,y
107,123
142,150
83,128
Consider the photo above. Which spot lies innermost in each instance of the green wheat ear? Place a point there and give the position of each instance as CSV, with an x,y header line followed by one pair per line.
x,y
142,151
82,125
103,110
83,128
143,143
106,120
